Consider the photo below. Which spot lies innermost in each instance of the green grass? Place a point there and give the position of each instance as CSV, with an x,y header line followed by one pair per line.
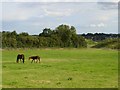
x,y
61,68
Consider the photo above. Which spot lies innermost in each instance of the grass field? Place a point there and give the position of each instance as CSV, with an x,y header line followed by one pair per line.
x,y
61,68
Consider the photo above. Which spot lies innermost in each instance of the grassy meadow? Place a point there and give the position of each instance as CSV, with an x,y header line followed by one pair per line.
x,y
61,68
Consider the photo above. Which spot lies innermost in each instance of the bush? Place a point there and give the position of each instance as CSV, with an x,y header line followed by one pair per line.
x,y
112,43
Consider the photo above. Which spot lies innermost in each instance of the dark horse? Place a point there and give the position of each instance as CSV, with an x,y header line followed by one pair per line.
x,y
19,57
37,58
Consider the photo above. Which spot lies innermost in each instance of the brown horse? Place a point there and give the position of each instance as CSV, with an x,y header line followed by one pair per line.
x,y
37,58
20,57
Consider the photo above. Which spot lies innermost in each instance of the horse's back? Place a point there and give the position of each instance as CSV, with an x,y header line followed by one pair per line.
x,y
38,57
20,56
34,57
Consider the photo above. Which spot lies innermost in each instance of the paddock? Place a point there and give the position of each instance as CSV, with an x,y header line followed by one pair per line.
x,y
61,68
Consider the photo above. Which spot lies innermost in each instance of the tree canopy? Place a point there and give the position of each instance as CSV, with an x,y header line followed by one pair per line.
x,y
61,36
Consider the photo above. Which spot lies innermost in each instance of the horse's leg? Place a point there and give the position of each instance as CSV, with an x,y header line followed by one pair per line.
x,y
17,60
23,60
39,60
20,60
32,61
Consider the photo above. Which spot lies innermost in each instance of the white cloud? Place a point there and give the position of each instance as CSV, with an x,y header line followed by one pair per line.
x,y
107,16
116,1
59,0
25,11
60,12
97,25
49,1
0,11
15,12
92,25
101,25
36,16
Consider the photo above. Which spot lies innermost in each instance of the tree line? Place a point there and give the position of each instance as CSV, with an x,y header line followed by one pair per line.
x,y
62,36
99,36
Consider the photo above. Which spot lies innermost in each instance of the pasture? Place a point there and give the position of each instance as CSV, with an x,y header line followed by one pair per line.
x,y
61,68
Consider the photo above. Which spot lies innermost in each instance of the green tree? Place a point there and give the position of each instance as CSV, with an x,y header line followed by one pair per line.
x,y
65,33
46,32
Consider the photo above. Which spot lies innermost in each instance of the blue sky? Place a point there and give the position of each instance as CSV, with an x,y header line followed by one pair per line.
x,y
87,17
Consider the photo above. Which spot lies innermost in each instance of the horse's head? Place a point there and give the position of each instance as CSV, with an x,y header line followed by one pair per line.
x,y
29,58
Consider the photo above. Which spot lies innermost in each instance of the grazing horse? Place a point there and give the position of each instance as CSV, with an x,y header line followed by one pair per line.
x,y
19,57
34,58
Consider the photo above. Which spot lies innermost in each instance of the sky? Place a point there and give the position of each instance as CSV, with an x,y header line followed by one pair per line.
x,y
33,16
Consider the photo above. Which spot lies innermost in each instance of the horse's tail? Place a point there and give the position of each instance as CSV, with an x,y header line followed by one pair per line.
x,y
39,59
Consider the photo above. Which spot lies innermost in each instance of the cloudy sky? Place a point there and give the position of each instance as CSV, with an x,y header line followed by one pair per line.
x,y
33,17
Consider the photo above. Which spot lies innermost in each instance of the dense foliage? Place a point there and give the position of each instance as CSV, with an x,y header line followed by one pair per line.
x,y
62,36
112,43
99,36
